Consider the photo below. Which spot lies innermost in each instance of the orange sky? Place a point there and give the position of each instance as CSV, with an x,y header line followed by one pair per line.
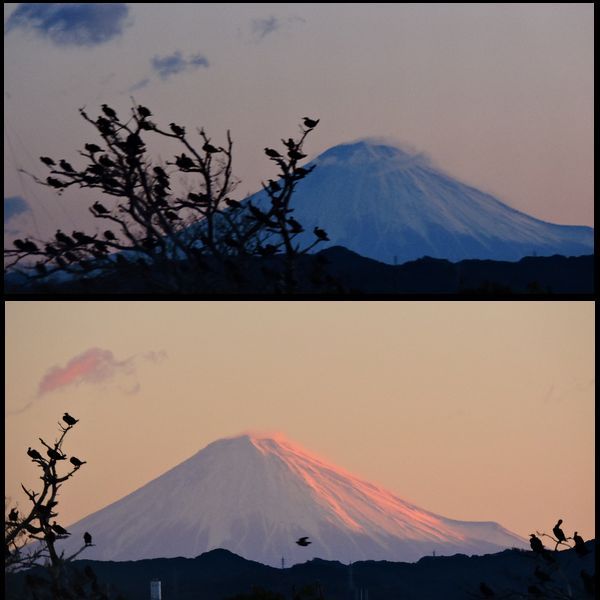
x,y
472,410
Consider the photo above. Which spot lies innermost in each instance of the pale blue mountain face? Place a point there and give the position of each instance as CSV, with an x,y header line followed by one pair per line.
x,y
390,205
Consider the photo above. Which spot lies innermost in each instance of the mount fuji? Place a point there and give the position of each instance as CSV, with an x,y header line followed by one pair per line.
x,y
392,205
256,495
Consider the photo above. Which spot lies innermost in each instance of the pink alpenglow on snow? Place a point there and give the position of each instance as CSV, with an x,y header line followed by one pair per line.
x,y
256,496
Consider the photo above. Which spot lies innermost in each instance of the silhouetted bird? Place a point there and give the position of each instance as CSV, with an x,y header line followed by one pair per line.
x,y
14,515
105,161
58,529
28,246
536,543
143,111
303,541
19,244
47,161
177,130
290,143
272,153
184,162
82,238
108,111
109,235
54,454
310,123
75,461
160,172
321,234
63,239
69,420
542,575
209,148
53,182
232,203
589,584
66,166
559,533
296,155
274,186
87,538
296,227
34,454
580,545
486,590
92,148
100,208
300,173
172,216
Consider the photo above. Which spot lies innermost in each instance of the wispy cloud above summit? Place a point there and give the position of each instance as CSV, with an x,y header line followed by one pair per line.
x,y
74,24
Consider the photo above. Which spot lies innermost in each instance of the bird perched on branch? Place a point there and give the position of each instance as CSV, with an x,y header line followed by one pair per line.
x,y
66,166
76,462
69,420
63,238
303,541
58,529
109,235
272,153
310,123
53,182
55,455
34,454
92,148
580,545
143,111
47,161
232,203
100,208
210,148
177,130
274,186
558,532
108,111
184,162
87,539
14,515
295,155
321,234
536,543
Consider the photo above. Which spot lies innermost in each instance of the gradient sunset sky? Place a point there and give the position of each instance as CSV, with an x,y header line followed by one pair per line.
x,y
475,411
498,95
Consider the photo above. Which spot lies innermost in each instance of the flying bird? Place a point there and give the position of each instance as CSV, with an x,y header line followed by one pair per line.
x,y
109,112
69,420
177,130
580,545
55,455
14,515
321,234
34,454
58,529
75,461
310,123
536,543
47,161
87,538
100,208
272,153
303,541
210,148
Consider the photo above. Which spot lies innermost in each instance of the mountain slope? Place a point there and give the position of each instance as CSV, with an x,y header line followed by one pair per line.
x,y
388,204
255,496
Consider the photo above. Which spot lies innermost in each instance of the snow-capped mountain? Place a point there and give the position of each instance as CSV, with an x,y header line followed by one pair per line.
x,y
255,496
391,205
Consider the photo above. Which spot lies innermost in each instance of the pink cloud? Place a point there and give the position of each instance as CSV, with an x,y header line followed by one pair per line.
x,y
93,366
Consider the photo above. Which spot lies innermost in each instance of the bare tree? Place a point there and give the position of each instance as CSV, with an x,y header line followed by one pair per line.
x,y
149,228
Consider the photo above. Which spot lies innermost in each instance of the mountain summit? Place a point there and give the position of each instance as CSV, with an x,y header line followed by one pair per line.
x,y
256,496
390,204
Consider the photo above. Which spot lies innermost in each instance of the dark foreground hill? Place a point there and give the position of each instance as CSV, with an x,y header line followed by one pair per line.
x,y
338,270
219,574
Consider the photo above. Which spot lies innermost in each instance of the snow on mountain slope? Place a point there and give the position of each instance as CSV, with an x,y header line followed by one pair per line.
x,y
386,203
255,496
